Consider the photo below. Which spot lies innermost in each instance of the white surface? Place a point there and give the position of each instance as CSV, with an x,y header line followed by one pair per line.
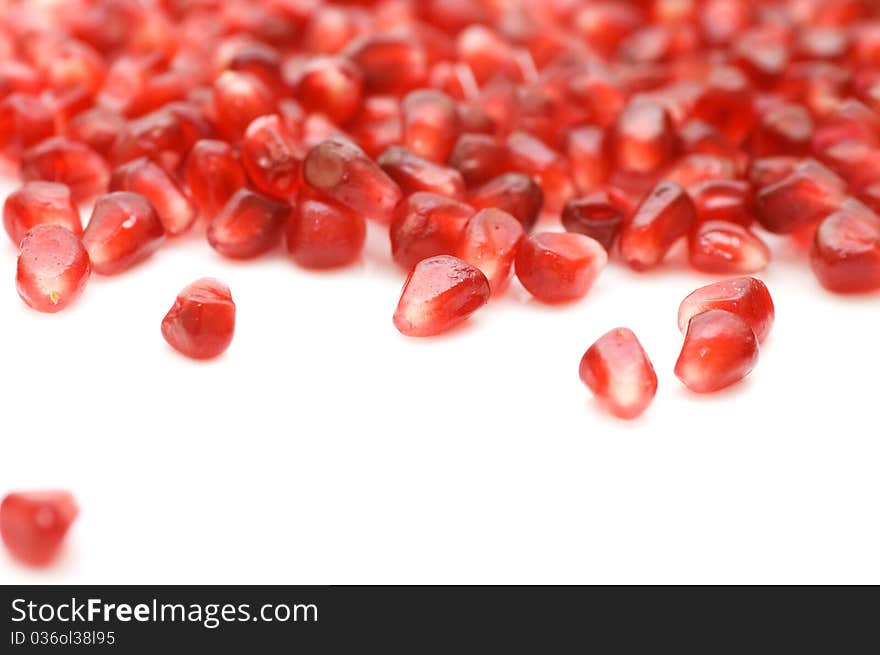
x,y
326,448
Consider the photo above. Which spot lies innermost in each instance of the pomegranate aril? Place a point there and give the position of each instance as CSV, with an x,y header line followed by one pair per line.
x,y
804,196
558,267
60,159
248,225
321,234
413,173
726,248
239,98
378,125
39,203
620,375
490,242
431,124
150,180
516,193
783,130
201,322
723,200
726,103
25,120
643,138
390,63
665,215
747,297
33,524
123,230
440,293
585,151
343,172
719,350
97,128
599,215
479,157
212,174
530,155
330,85
427,224
846,251
268,153
53,268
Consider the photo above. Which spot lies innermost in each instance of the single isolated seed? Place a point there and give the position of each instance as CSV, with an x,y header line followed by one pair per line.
x,y
39,203
746,297
201,323
123,230
558,267
33,524
719,350
53,268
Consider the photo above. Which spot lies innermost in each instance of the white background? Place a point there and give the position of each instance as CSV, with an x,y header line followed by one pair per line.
x,y
324,447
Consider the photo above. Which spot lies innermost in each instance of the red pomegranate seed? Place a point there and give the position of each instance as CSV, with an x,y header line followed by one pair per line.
x,y
765,171
377,125
490,242
212,174
440,293
723,200
620,375
39,203
268,153
745,296
323,235
390,63
248,225
665,215
238,99
531,156
516,193
727,249
804,196
150,180
201,322
600,215
341,171
427,224
413,173
719,350
53,268
97,128
784,130
331,85
479,158
25,120
643,138
697,167
33,524
846,250
72,163
559,267
726,103
486,54
123,230
585,149
431,124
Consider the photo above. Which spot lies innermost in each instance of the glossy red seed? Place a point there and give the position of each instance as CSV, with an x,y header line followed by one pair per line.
x,y
719,350
846,250
697,167
479,157
377,125
248,225
268,153
60,159
599,215
747,297
490,242
33,524
643,138
531,156
440,293
516,193
330,85
53,268
620,375
783,130
723,200
559,267
665,215
39,203
25,120
343,172
97,128
239,98
390,63
123,230
321,234
213,173
726,103
150,180
427,224
201,322
585,151
804,196
431,124
413,173
727,249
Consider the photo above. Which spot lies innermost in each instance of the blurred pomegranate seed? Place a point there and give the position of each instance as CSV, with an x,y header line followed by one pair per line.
x,y
804,196
97,128
239,98
39,203
643,138
719,350
331,85
723,200
559,267
619,373
784,130
585,149
321,234
516,193
33,524
413,173
846,250
53,268
123,230
440,293
665,215
268,153
599,215
150,180
490,242
60,159
431,124
531,156
726,248
212,174
747,297
25,120
201,323
427,224
248,225
479,157
390,63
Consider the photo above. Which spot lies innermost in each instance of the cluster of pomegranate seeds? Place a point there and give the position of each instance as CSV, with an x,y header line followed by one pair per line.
x,y
33,524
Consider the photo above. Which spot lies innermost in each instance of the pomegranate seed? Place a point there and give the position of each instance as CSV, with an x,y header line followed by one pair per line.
x,y
39,203
619,373
378,124
490,242
390,63
123,230
529,155
25,120
341,171
323,235
784,130
440,293
846,250
165,136
665,215
248,225
426,224
643,138
745,296
268,153
600,215
431,124
696,167
804,196
201,322
413,173
213,173
239,98
517,194
97,128
59,159
769,170
33,524
729,201
150,180
726,248
486,54
559,267
726,103
479,158
330,85
719,350
53,268
585,149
